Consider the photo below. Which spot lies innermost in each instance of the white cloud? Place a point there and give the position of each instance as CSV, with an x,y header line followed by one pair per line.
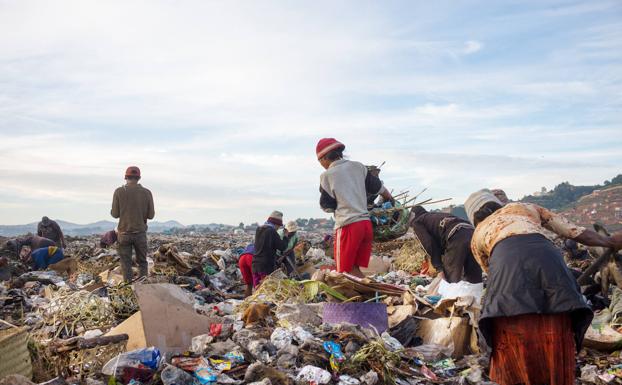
x,y
472,46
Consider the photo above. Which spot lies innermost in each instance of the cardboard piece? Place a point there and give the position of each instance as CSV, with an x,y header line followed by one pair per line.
x,y
377,265
167,319
133,327
109,276
445,331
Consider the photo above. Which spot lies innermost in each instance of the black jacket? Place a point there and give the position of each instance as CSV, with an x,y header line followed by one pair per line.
x,y
267,242
433,230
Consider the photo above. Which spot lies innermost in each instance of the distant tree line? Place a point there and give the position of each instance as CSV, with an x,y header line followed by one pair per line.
x,y
565,194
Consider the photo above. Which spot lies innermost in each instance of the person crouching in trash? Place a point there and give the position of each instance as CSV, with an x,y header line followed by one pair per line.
x,y
534,315
288,256
246,268
447,240
267,243
344,188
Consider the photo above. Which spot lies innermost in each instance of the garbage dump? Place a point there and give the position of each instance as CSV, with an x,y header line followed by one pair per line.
x,y
188,323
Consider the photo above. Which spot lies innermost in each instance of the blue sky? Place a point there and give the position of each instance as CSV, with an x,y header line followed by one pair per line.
x,y
221,103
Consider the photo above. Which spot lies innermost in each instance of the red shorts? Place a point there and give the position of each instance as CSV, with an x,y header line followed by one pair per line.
x,y
353,245
246,263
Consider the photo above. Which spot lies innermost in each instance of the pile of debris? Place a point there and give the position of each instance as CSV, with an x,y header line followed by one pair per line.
x,y
188,322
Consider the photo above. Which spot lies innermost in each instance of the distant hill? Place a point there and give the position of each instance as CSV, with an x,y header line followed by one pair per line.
x,y
564,195
603,206
74,229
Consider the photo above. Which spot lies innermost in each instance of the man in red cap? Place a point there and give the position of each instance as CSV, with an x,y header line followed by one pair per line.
x,y
133,205
344,188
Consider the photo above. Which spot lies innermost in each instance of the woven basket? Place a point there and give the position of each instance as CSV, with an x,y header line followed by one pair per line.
x,y
14,354
389,224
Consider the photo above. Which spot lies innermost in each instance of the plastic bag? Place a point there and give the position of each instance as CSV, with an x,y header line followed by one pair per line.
x,y
314,374
392,343
175,376
141,358
432,352
281,338
460,289
301,335
347,380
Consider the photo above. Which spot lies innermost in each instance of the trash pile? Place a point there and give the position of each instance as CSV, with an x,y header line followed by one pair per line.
x,y
188,322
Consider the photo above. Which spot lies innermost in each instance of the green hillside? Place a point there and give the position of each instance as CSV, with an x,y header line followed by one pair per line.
x,y
565,194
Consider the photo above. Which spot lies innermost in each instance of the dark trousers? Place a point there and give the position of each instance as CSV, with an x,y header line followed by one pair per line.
x,y
137,241
458,261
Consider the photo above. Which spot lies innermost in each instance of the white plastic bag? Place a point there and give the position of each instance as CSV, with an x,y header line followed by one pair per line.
x,y
312,373
281,338
460,289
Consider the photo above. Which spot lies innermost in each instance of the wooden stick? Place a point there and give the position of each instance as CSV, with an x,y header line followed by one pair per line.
x,y
594,267
8,324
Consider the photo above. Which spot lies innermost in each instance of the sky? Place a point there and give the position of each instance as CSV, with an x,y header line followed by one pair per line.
x,y
221,103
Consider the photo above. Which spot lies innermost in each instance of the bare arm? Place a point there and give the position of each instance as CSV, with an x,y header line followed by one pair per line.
x,y
386,195
592,238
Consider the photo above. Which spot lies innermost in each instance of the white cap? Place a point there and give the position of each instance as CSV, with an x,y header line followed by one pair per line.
x,y
477,200
291,226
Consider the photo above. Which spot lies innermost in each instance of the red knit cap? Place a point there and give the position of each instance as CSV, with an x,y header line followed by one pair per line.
x,y
132,171
326,145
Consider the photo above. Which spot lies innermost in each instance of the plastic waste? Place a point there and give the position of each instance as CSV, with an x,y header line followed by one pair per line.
x,y
589,373
93,334
175,376
220,365
428,373
235,357
301,335
336,355
205,373
460,289
432,352
281,338
141,358
312,373
392,343
369,378
348,380
200,343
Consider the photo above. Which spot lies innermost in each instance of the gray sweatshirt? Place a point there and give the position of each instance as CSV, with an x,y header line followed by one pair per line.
x,y
344,189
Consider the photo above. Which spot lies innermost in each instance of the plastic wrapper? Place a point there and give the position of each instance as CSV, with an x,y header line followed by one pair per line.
x,y
336,355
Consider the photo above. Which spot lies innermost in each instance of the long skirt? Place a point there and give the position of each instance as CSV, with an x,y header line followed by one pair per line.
x,y
533,349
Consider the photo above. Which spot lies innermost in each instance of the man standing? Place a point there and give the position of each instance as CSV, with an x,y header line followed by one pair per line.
x,y
133,205
344,188
48,228
447,240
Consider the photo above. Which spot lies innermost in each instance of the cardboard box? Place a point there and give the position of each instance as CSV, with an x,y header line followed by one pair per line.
x,y
445,331
166,320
